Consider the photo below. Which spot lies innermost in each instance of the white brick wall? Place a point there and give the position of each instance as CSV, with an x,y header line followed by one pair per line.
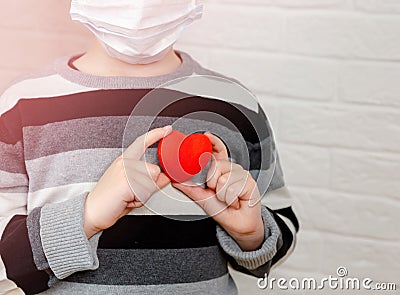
x,y
327,73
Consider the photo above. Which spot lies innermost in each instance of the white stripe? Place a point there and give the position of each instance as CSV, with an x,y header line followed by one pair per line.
x,y
48,86
7,287
277,199
292,246
168,201
57,194
12,203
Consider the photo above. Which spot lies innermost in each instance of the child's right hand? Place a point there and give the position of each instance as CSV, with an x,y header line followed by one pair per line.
x,y
114,196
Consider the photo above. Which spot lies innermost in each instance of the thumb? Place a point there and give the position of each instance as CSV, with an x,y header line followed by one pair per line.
x,y
139,146
205,198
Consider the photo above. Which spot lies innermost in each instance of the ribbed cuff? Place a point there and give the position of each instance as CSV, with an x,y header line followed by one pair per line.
x,y
64,241
253,259
33,224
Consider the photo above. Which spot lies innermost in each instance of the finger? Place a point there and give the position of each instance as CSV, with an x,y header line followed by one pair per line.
x,y
151,170
144,188
219,149
225,181
162,180
250,192
139,146
205,198
254,192
192,190
217,169
212,171
134,205
233,192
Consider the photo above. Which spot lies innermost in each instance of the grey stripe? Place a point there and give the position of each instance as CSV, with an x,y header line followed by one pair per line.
x,y
223,285
69,168
11,159
86,133
117,131
154,266
33,225
13,182
13,190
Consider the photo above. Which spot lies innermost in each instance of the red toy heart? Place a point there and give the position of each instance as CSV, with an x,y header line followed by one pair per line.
x,y
181,157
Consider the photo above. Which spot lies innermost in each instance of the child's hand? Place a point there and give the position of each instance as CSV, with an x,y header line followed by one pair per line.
x,y
230,189
113,196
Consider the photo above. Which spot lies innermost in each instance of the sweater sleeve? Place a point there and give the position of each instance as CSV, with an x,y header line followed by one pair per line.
x,y
18,272
47,244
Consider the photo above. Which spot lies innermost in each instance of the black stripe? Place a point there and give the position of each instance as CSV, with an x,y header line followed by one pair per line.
x,y
154,266
288,213
287,238
16,253
40,111
10,122
159,232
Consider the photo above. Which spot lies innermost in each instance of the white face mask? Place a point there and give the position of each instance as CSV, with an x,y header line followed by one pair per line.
x,y
137,31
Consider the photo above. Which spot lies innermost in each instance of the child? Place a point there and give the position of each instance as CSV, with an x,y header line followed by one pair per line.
x,y
72,219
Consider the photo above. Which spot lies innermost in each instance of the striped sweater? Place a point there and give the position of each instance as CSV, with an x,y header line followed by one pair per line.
x,y
60,129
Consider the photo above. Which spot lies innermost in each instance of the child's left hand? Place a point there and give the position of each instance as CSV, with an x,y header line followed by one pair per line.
x,y
226,198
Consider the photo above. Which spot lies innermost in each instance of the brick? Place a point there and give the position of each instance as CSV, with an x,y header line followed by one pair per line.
x,y
340,126
321,252
246,284
305,166
277,74
346,35
364,258
375,83
307,256
356,215
272,110
387,6
231,26
197,52
369,173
